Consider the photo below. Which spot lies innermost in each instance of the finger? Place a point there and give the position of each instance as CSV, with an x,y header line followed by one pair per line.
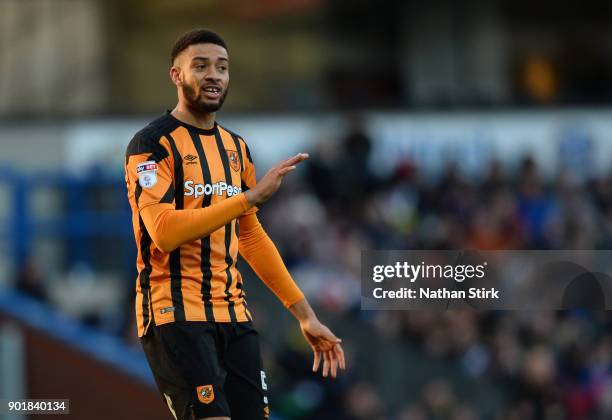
x,y
294,159
334,363
286,170
300,157
341,359
326,363
340,353
317,361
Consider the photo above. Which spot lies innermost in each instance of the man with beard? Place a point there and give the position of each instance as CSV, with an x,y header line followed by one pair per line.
x,y
193,193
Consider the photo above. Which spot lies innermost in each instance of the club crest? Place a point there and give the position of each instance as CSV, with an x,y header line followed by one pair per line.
x,y
234,161
206,394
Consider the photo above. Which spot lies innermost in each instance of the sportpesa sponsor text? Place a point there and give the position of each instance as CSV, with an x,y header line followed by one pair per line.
x,y
218,188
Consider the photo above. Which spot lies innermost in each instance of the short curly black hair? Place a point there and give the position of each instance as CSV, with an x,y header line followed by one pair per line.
x,y
195,36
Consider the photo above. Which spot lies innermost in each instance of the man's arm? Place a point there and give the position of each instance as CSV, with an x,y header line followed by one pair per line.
x,y
261,254
170,228
254,244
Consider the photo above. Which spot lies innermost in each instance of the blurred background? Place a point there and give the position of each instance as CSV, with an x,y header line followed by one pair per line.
x,y
431,125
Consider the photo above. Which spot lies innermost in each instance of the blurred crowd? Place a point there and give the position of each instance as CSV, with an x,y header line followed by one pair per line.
x,y
488,365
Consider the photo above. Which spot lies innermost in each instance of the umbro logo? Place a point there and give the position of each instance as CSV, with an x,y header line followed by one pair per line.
x,y
190,159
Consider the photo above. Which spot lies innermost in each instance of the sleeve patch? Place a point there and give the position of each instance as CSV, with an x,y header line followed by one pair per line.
x,y
147,174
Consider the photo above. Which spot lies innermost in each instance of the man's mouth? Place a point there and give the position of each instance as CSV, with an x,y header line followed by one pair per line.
x,y
212,92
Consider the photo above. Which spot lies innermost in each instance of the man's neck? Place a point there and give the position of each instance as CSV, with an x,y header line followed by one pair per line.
x,y
205,121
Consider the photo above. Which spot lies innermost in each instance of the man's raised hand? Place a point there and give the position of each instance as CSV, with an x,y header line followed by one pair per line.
x,y
269,184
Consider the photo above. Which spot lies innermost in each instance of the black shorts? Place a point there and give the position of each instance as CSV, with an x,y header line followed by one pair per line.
x,y
207,369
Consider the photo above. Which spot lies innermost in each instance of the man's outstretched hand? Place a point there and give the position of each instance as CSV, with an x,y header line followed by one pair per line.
x,y
271,181
325,345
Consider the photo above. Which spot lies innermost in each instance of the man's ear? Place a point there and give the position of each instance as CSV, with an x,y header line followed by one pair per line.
x,y
176,75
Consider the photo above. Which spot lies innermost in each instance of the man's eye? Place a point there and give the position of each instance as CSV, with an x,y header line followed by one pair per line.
x,y
200,67
222,68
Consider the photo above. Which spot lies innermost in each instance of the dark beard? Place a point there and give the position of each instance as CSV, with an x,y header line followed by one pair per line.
x,y
193,100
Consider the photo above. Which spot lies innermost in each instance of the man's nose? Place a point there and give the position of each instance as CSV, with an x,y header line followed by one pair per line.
x,y
212,75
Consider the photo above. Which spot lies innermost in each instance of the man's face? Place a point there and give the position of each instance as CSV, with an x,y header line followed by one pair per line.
x,y
204,76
